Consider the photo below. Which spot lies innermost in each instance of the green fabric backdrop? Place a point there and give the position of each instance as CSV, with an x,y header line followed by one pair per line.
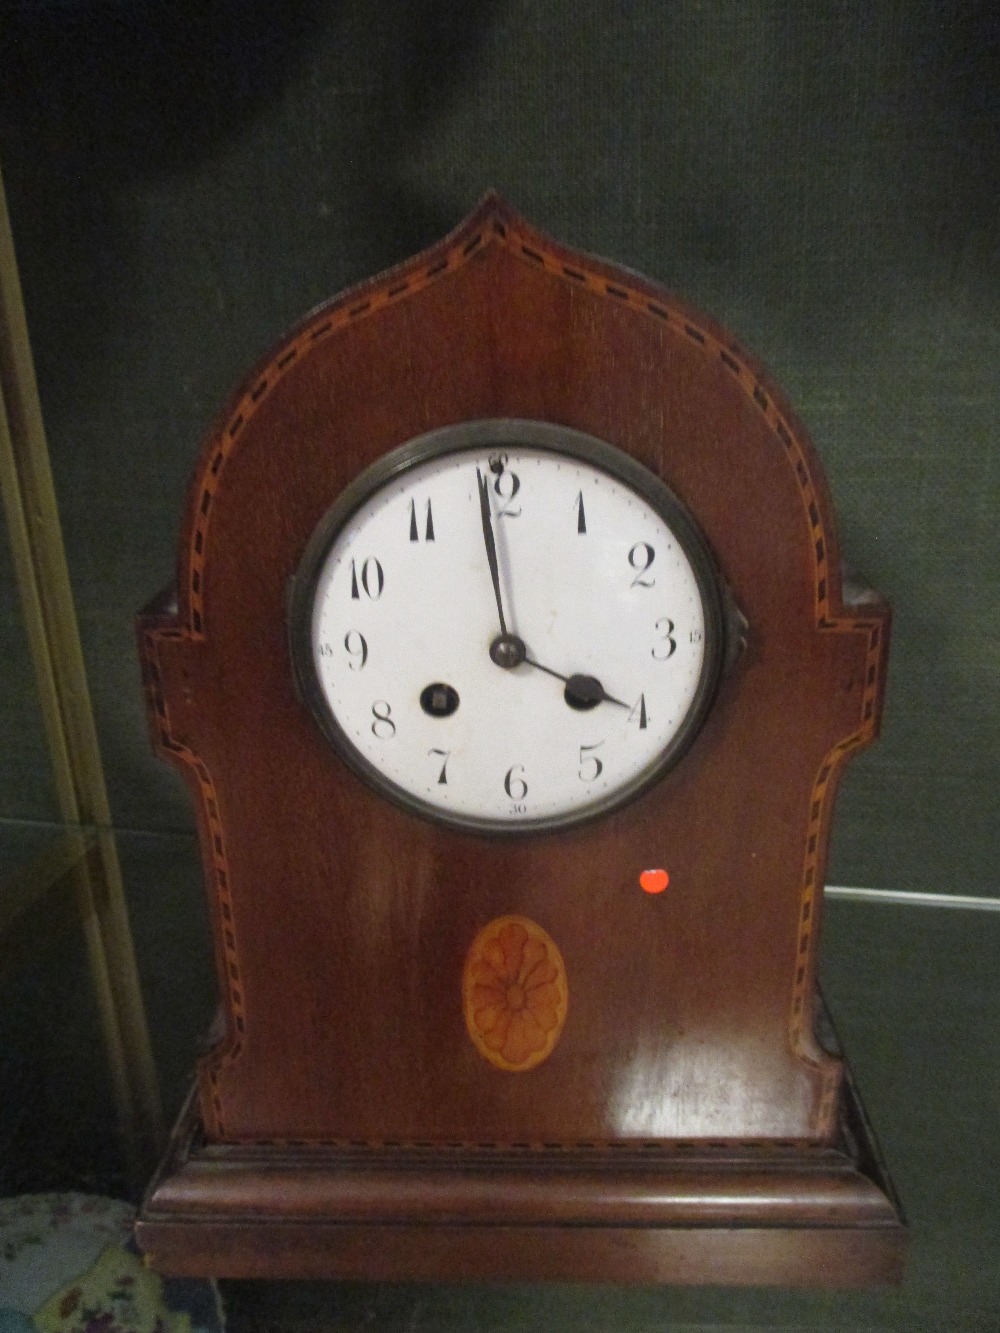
x,y
187,179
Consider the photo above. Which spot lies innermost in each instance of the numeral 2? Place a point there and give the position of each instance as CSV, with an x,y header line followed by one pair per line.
x,y
640,558
505,493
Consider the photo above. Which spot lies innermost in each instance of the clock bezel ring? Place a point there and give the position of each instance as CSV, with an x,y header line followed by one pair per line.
x,y
723,624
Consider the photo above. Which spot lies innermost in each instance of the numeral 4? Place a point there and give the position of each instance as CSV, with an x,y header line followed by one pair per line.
x,y
638,713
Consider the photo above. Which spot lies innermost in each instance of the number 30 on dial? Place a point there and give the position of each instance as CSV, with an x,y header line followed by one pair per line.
x,y
507,626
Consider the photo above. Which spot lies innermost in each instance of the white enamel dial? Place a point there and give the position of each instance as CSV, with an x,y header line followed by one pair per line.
x,y
538,697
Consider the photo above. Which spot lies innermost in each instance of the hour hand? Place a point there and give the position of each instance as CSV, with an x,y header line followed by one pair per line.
x,y
582,692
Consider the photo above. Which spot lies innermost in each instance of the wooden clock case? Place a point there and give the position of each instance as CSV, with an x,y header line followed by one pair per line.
x,y
694,1122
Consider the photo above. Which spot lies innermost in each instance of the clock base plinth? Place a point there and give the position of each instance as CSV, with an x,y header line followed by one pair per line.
x,y
752,1213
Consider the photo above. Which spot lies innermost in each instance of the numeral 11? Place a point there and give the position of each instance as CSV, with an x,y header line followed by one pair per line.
x,y
428,525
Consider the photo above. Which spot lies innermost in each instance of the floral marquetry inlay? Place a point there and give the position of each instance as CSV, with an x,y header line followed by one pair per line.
x,y
514,993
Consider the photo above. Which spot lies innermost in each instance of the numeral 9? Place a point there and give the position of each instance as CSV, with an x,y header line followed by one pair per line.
x,y
357,648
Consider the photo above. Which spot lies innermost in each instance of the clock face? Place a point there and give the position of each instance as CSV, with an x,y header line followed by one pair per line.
x,y
507,626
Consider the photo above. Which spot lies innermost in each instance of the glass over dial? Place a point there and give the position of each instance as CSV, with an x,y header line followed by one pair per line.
x,y
507,626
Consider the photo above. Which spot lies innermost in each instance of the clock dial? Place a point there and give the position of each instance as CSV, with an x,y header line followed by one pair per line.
x,y
507,625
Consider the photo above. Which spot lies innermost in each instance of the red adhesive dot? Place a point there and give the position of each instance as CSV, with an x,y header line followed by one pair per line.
x,y
654,881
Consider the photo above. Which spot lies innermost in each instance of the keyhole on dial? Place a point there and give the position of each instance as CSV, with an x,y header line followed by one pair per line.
x,y
439,699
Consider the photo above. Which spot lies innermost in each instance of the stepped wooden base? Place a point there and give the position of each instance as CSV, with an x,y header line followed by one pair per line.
x,y
753,1213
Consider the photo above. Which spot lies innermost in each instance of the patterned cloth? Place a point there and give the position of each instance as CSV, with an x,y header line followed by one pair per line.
x,y
68,1265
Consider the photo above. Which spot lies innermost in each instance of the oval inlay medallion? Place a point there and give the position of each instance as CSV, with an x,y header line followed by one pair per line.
x,y
514,993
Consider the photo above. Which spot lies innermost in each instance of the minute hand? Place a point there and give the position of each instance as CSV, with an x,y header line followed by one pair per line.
x,y
581,691
491,545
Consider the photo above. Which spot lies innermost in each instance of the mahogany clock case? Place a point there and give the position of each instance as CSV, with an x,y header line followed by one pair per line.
x,y
687,1124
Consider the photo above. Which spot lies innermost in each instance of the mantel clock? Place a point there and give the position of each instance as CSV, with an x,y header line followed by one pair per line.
x,y
512,672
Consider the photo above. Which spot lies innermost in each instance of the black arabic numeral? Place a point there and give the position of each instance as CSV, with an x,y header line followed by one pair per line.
x,y
357,649
666,628
383,727
372,579
586,773
428,524
511,782
640,558
443,776
638,713
581,517
505,493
